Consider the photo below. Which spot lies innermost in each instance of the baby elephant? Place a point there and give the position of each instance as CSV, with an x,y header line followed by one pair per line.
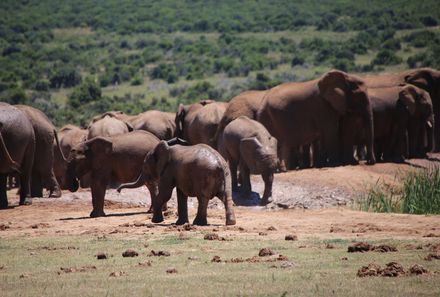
x,y
247,143
196,171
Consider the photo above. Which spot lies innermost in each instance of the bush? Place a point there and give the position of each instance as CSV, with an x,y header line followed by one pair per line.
x,y
86,92
66,77
42,85
14,96
386,57
137,80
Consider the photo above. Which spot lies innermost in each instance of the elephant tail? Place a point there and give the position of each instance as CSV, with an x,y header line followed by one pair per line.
x,y
58,145
5,153
139,182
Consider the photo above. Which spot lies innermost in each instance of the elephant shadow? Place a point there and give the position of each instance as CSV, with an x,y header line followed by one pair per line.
x,y
242,199
125,214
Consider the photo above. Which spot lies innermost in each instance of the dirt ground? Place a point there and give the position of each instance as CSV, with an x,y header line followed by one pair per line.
x,y
311,203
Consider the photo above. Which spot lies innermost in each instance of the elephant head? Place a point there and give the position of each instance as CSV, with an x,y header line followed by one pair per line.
x,y
427,79
183,111
87,157
260,158
117,115
347,93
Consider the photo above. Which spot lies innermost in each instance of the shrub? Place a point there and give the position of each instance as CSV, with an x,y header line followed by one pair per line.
x,y
386,57
86,92
137,80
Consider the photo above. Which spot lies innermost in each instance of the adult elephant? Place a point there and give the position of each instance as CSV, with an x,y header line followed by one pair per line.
x,y
244,104
300,113
396,110
116,159
198,122
17,148
45,137
196,171
247,143
108,126
427,79
69,136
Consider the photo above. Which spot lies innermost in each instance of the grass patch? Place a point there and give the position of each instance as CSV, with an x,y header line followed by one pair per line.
x,y
419,194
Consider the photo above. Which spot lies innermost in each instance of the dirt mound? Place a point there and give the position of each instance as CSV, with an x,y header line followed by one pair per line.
x,y
101,256
393,269
366,247
418,269
371,269
264,252
130,253
433,256
159,253
291,237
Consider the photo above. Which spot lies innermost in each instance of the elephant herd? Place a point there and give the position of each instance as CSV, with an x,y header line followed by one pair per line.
x,y
207,149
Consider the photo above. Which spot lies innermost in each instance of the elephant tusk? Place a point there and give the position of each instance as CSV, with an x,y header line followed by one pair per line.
x,y
429,124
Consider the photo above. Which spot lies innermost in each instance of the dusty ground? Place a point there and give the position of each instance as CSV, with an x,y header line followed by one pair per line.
x,y
312,203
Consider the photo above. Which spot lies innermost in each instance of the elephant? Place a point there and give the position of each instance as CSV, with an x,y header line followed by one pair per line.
x,y
196,171
116,159
161,124
45,137
198,122
247,143
108,126
427,79
244,104
298,114
396,110
17,149
69,136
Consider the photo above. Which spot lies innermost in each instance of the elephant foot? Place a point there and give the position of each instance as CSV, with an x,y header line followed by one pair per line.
x,y
4,206
230,220
55,193
26,201
97,213
399,159
157,219
150,210
265,201
200,221
182,221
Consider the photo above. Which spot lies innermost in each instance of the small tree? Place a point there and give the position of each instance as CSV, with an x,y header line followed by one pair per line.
x,y
86,92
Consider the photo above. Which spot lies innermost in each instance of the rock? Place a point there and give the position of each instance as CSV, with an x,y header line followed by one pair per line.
x,y
171,270
101,256
393,269
216,259
211,236
360,247
383,248
159,253
291,237
264,252
130,253
371,269
418,269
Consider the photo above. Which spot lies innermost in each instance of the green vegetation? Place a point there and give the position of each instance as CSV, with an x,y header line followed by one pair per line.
x,y
147,54
32,266
420,194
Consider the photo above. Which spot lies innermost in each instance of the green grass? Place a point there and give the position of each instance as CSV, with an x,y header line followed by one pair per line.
x,y
316,272
420,194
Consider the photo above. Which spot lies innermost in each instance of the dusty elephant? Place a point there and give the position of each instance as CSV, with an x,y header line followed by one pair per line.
x,y
244,104
116,159
45,137
427,79
198,122
17,148
247,143
299,114
396,111
196,171
108,126
69,136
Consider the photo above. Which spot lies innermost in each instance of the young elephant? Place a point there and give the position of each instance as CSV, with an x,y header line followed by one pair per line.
x,y
196,171
116,159
247,143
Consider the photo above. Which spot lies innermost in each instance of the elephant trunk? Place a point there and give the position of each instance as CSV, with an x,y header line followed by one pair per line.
x,y
6,156
371,159
71,180
140,181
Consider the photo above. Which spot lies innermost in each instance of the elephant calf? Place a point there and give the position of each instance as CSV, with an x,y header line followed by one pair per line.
x,y
196,171
116,159
247,143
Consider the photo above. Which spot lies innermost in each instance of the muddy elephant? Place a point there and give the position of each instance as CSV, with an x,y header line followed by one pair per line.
x,y
116,159
427,79
17,149
396,112
45,137
69,136
108,126
247,143
298,114
244,104
196,171
198,122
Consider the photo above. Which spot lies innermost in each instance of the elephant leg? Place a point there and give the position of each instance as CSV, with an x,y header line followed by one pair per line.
x,y
202,212
182,208
246,181
294,159
36,185
3,196
268,180
318,156
306,160
154,191
284,157
165,191
233,169
98,195
25,176
54,186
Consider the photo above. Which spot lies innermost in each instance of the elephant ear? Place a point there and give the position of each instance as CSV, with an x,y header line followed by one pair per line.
x,y
180,116
332,87
98,147
407,96
161,156
249,148
206,102
422,78
129,126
